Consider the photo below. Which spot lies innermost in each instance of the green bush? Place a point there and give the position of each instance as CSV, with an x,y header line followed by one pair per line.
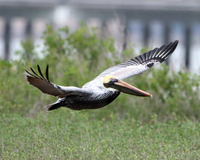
x,y
76,58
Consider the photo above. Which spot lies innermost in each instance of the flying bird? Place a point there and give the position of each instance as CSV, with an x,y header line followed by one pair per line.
x,y
105,87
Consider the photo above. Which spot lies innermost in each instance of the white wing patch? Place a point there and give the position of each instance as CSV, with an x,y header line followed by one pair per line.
x,y
123,73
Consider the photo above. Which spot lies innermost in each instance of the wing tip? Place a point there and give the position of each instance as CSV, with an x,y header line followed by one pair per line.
x,y
38,75
165,51
175,43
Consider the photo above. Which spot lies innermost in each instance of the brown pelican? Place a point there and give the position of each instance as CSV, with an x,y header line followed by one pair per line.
x,y
106,86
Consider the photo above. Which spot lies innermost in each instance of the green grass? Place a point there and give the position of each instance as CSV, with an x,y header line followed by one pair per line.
x,y
66,134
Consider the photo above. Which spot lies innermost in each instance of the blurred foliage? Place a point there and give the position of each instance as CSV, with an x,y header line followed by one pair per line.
x,y
76,58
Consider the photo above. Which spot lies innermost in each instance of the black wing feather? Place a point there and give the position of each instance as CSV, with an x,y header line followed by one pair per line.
x,y
157,54
47,73
40,72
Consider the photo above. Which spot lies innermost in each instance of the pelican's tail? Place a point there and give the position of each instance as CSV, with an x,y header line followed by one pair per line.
x,y
53,106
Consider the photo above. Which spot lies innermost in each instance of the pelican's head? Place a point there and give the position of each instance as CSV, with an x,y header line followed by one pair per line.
x,y
110,81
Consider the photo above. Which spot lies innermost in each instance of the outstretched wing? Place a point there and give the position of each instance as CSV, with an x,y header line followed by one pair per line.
x,y
44,85
141,63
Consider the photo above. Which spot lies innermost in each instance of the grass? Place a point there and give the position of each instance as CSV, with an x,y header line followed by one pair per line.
x,y
66,134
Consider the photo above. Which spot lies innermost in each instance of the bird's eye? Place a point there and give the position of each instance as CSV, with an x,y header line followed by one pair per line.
x,y
113,79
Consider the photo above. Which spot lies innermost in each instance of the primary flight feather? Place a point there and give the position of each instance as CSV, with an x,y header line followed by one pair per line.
x,y
105,87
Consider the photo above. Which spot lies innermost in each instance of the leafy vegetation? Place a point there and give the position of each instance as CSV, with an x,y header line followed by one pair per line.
x,y
165,126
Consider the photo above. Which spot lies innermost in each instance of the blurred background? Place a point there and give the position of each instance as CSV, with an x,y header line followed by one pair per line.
x,y
141,23
165,126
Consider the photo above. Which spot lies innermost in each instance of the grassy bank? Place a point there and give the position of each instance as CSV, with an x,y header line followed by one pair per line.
x,y
66,134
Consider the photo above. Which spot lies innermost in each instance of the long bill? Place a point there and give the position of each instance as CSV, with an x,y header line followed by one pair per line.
x,y
129,89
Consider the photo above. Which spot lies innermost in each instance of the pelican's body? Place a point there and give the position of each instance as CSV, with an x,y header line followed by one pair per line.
x,y
104,88
93,101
